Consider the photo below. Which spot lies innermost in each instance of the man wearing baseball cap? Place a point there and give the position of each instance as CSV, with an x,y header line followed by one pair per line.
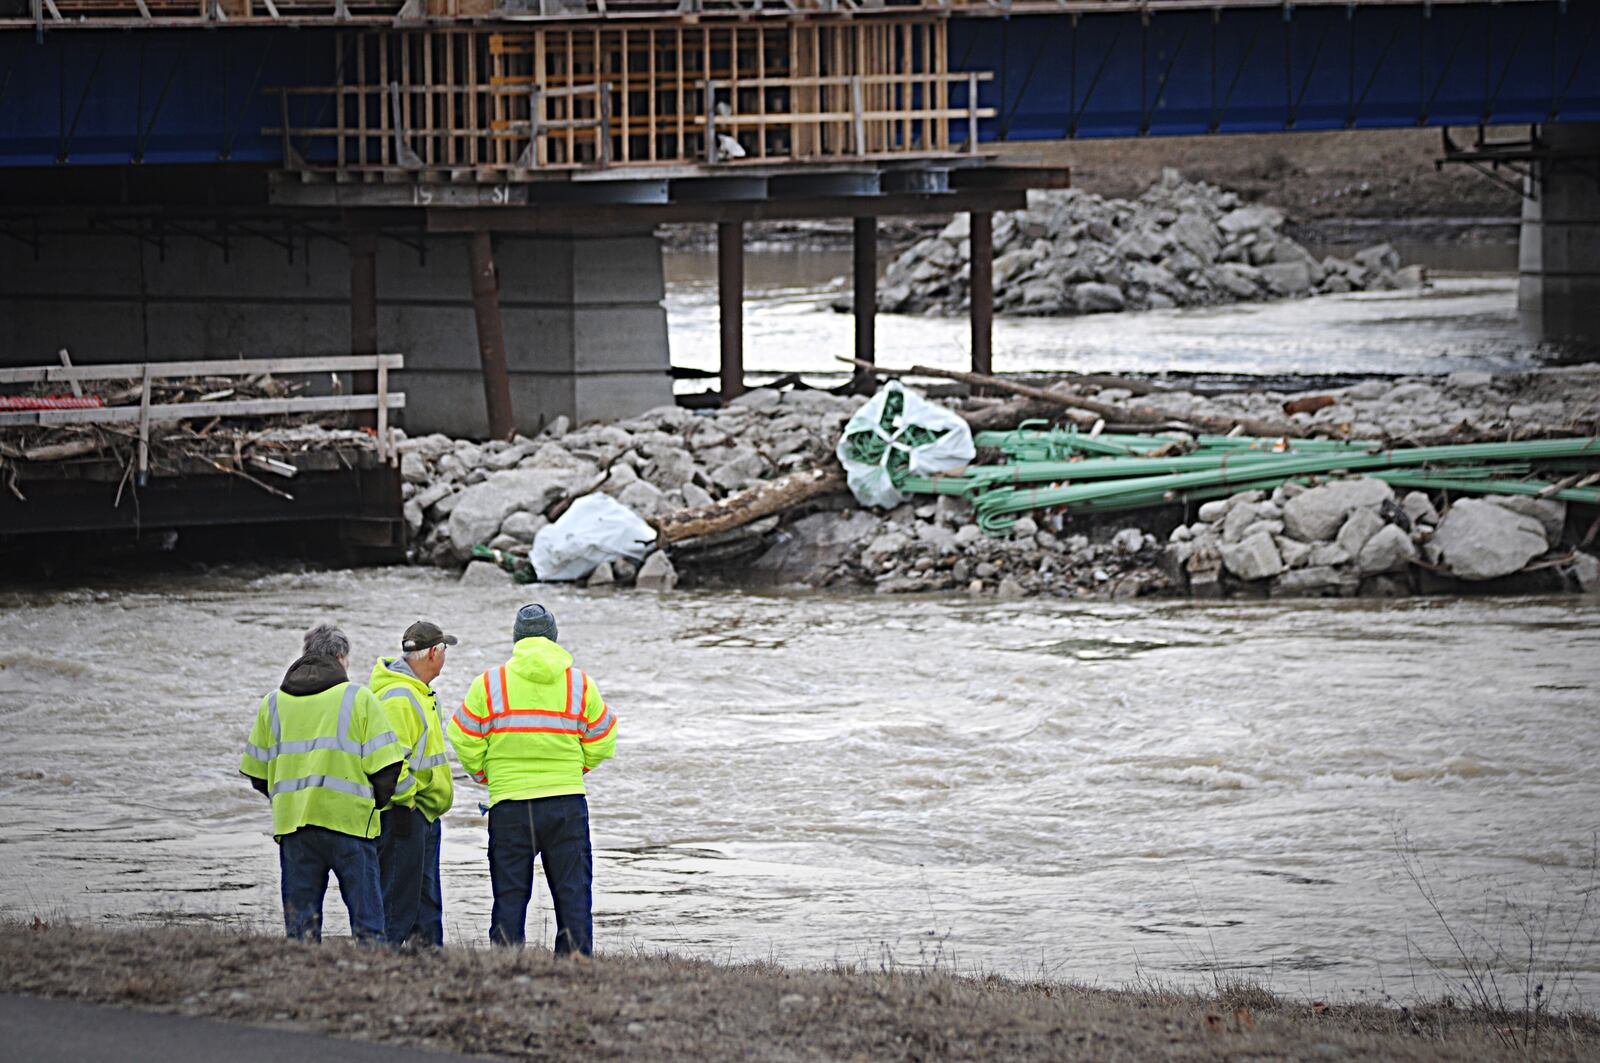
x,y
408,841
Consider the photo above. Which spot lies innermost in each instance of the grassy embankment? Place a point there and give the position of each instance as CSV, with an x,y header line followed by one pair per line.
x,y
528,1006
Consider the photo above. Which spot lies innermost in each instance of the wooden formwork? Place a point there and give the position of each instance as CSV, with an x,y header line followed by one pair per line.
x,y
607,94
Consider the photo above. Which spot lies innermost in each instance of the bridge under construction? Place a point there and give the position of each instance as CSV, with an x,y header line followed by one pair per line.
x,y
478,182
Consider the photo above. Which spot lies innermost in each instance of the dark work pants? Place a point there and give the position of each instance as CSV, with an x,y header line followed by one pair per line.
x,y
430,921
402,852
304,859
556,829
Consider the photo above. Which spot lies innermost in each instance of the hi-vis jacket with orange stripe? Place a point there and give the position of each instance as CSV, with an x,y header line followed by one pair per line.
x,y
532,727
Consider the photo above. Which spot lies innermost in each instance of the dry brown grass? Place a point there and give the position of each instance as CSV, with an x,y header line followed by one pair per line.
x,y
527,1006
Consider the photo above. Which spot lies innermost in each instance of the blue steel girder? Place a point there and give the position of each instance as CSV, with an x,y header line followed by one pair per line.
x,y
93,97
1264,70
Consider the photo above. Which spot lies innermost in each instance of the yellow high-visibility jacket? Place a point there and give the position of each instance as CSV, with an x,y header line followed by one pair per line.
x,y
413,713
315,753
534,726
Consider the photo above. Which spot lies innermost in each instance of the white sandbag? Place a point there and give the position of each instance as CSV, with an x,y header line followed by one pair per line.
x,y
594,529
922,439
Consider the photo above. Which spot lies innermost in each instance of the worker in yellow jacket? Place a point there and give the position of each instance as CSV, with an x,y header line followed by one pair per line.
x,y
531,729
408,844
323,752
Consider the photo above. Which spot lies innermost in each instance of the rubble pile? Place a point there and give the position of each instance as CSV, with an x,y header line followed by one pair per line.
x,y
1181,243
460,495
1359,536
1329,536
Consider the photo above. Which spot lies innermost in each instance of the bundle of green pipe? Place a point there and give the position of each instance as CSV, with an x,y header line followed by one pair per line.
x,y
1082,472
868,447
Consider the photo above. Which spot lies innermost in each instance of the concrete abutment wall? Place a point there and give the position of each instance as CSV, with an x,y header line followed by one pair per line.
x,y
585,329
1558,291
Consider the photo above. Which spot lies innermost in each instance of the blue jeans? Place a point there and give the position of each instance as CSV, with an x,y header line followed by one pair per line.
x,y
556,829
402,855
304,859
430,918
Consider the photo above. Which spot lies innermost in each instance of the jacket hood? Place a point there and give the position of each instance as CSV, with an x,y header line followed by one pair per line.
x,y
384,677
312,674
539,660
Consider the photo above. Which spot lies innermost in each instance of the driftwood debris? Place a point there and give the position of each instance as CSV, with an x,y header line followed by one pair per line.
x,y
749,505
1110,411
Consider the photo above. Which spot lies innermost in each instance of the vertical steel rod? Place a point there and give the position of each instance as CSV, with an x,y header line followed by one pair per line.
x,y
982,240
491,340
364,312
730,297
866,301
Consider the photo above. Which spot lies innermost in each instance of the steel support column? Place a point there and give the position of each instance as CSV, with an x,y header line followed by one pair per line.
x,y
364,312
982,242
866,298
730,299
491,338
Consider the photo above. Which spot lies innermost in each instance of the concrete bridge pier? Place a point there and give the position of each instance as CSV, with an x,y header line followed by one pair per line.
x,y
1559,262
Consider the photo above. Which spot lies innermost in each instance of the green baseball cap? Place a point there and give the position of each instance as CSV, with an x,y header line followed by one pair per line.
x,y
423,635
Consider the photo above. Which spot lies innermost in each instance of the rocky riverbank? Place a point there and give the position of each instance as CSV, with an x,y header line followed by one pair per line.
x,y
525,1005
1358,537
1181,243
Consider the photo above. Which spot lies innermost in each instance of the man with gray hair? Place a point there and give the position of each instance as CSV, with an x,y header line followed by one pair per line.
x,y
323,753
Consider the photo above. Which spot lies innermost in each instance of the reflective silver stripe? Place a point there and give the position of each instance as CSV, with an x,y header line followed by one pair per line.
x,y
513,721
342,742
575,691
405,785
600,726
312,745
327,782
416,755
373,745
430,762
470,724
495,703
346,709
401,692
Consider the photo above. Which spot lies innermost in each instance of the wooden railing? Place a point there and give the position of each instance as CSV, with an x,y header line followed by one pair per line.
x,y
147,413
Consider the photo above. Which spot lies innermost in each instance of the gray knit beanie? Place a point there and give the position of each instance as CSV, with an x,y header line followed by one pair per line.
x,y
534,621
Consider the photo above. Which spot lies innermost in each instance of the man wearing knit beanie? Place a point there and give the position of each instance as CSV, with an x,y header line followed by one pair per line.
x,y
531,729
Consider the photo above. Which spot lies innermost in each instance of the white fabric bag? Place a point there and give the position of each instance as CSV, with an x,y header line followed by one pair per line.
x,y
596,528
871,482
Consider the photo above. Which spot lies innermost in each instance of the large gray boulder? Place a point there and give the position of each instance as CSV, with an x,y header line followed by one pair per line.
x,y
1288,278
669,468
1320,512
1358,527
1253,557
1094,297
811,545
657,573
1478,540
481,508
1390,549
1551,513
1315,581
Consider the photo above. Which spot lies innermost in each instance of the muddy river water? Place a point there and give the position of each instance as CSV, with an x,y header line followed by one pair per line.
x,y
1466,320
1097,793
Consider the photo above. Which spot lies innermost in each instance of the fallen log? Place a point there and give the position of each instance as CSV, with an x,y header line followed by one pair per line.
x,y
1000,416
1108,410
75,448
749,505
